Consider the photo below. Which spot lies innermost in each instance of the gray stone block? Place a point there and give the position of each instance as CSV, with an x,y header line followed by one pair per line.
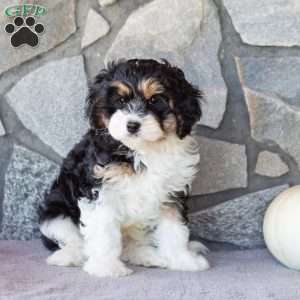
x,y
279,76
238,221
95,28
160,30
147,26
59,24
270,164
273,108
50,102
27,178
274,121
222,166
266,23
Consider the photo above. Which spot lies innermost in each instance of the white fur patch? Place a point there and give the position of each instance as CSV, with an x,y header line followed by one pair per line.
x,y
67,235
175,247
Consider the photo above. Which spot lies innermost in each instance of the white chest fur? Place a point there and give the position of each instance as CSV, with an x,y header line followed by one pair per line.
x,y
170,166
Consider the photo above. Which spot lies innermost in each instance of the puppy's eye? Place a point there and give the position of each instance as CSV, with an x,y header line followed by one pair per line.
x,y
152,100
122,100
157,99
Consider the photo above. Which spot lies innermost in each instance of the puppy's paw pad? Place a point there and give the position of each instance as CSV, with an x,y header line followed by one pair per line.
x,y
66,258
115,269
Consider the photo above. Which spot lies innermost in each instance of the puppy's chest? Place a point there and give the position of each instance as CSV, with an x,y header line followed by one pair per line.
x,y
137,198
145,192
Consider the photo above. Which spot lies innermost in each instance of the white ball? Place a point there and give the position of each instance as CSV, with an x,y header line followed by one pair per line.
x,y
282,227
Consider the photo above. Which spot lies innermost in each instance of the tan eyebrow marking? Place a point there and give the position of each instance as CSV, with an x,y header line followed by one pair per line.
x,y
150,87
122,88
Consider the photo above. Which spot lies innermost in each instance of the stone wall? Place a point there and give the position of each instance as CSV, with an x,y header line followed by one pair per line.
x,y
244,55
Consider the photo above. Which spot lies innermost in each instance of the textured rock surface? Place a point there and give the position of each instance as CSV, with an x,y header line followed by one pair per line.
x,y
271,88
27,177
106,2
6,147
152,18
238,221
222,166
59,25
182,43
95,28
279,76
274,121
50,102
266,23
270,164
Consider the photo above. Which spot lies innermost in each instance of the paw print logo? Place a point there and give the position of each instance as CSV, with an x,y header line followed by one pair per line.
x,y
24,31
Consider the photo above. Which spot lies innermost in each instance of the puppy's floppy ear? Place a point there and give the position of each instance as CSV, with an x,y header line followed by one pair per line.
x,y
187,107
95,101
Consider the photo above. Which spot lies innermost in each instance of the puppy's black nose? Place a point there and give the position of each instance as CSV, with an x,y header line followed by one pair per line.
x,y
133,126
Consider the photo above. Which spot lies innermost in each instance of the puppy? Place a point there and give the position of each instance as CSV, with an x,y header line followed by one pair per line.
x,y
120,196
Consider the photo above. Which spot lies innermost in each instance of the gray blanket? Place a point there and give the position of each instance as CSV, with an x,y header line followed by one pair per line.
x,y
235,275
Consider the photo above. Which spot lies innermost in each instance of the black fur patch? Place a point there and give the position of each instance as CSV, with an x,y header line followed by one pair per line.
x,y
76,178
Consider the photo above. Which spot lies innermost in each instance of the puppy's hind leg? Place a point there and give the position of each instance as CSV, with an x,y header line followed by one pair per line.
x,y
66,234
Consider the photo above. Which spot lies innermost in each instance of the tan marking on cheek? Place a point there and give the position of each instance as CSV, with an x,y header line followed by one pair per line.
x,y
150,87
122,88
115,171
170,124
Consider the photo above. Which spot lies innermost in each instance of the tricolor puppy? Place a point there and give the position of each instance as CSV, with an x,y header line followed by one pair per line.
x,y
121,191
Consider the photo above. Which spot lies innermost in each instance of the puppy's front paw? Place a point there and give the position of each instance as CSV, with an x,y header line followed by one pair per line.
x,y
202,263
110,268
189,262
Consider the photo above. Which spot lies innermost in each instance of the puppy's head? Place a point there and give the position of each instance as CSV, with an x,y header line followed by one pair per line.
x,y
143,101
